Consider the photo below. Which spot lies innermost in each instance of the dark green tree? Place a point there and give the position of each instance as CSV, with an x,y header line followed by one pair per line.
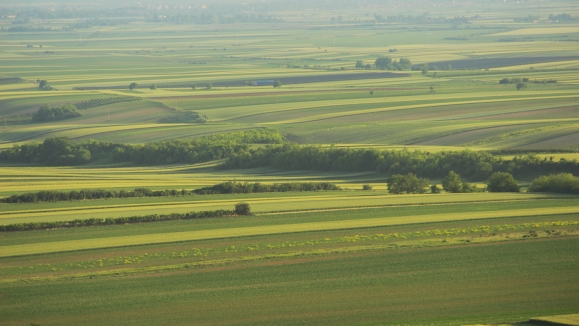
x,y
409,183
425,69
132,86
383,63
502,182
42,84
452,182
153,87
521,86
359,64
277,84
242,209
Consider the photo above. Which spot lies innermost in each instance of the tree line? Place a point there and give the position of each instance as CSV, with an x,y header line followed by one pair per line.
x,y
229,187
242,207
62,151
47,114
471,165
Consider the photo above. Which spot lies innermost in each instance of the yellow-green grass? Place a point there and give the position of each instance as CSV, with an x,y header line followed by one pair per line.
x,y
571,320
31,249
539,31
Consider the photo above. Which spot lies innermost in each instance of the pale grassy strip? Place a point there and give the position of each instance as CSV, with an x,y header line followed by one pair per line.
x,y
74,245
571,320
539,31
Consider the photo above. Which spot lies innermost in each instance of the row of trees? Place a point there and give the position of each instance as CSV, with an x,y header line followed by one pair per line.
x,y
412,184
469,164
230,187
240,209
62,151
564,183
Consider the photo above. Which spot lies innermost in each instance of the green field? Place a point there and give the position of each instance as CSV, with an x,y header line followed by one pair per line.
x,y
347,257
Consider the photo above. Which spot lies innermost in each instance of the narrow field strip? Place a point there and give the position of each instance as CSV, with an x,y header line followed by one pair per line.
x,y
259,205
113,242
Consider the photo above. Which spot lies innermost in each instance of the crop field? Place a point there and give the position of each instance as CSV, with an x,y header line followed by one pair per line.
x,y
197,87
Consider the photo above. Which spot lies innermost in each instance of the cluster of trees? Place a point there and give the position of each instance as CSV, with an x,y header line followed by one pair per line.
x,y
411,184
233,187
565,183
124,220
563,18
62,151
387,63
469,164
47,114
453,183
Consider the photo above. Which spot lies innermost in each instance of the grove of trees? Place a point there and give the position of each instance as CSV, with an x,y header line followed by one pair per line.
x,y
47,114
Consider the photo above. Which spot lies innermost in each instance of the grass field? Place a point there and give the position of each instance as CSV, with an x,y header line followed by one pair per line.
x,y
348,257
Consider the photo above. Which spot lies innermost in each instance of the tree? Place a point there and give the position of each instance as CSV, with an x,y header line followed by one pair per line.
x,y
153,87
425,69
242,209
521,86
452,182
132,86
367,187
359,64
208,86
502,182
383,63
42,84
277,84
432,89
434,189
371,92
193,86
410,183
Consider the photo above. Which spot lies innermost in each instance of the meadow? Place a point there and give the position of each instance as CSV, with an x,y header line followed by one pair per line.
x,y
348,257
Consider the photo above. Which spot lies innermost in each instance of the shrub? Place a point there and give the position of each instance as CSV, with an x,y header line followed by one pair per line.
x,y
242,209
367,187
502,182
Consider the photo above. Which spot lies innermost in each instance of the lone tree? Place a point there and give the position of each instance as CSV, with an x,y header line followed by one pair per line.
x,y
242,209
502,182
132,86
208,86
193,86
153,87
277,84
42,84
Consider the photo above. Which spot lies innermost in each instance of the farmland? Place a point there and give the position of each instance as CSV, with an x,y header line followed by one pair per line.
x,y
181,98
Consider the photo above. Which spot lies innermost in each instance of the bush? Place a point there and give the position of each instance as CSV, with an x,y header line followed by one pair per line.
x,y
564,183
132,86
502,182
367,187
434,189
242,209
153,87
